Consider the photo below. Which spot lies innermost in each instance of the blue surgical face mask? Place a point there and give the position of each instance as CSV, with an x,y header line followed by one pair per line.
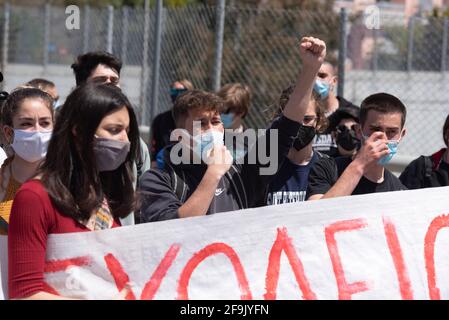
x,y
206,141
321,88
227,119
393,149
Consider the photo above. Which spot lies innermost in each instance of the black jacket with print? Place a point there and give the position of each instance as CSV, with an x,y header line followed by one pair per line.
x,y
163,191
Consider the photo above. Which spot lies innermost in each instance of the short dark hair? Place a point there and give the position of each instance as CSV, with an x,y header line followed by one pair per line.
x,y
69,171
195,100
383,103
40,83
86,63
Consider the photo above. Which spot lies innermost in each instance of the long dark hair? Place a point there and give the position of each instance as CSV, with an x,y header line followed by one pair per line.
x,y
69,172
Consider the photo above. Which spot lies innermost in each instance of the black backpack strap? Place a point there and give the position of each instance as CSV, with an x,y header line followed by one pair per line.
x,y
3,226
179,186
428,165
427,171
237,183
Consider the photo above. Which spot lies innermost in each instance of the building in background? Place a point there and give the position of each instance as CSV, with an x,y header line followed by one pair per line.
x,y
363,39
407,8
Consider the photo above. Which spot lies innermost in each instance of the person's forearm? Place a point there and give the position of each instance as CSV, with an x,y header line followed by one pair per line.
x,y
199,202
347,182
299,100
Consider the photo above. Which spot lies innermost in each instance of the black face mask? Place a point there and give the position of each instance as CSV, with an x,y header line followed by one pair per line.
x,y
305,136
347,139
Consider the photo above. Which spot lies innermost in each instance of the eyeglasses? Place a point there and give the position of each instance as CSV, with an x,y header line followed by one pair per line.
x,y
309,119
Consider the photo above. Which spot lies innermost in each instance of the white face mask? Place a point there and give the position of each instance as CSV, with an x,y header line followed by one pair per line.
x,y
31,146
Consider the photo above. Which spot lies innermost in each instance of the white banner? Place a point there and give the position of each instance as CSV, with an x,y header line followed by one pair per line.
x,y
379,246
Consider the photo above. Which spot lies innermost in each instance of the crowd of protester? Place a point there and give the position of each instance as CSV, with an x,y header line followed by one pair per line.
x,y
81,165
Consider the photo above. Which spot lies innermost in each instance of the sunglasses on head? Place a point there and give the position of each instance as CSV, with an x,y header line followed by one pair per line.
x,y
176,92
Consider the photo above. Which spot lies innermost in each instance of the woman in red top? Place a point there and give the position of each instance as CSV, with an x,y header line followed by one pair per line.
x,y
85,183
27,122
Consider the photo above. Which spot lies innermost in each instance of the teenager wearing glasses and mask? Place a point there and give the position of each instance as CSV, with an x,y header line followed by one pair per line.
x,y
290,183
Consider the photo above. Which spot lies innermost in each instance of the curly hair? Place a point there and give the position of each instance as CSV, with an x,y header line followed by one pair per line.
x,y
194,100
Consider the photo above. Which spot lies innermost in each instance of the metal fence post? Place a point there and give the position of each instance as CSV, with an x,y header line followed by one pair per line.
x,y
125,24
86,28
47,17
144,69
110,29
342,51
219,34
375,60
444,45
5,42
411,35
156,60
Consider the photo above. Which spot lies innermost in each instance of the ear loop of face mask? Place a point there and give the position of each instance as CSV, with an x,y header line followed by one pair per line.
x,y
8,142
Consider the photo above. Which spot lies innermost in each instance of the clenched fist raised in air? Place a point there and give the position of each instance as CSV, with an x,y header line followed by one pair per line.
x,y
312,52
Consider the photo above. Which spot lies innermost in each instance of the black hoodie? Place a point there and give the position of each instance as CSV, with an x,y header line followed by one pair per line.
x,y
242,187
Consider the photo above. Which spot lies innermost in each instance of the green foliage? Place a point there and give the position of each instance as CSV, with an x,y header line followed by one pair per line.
x,y
427,45
130,3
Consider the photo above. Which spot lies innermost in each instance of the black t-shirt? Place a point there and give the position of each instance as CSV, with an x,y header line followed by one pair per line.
x,y
323,143
326,171
290,183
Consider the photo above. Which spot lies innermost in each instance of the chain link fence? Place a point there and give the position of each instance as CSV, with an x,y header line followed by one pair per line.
x,y
407,57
